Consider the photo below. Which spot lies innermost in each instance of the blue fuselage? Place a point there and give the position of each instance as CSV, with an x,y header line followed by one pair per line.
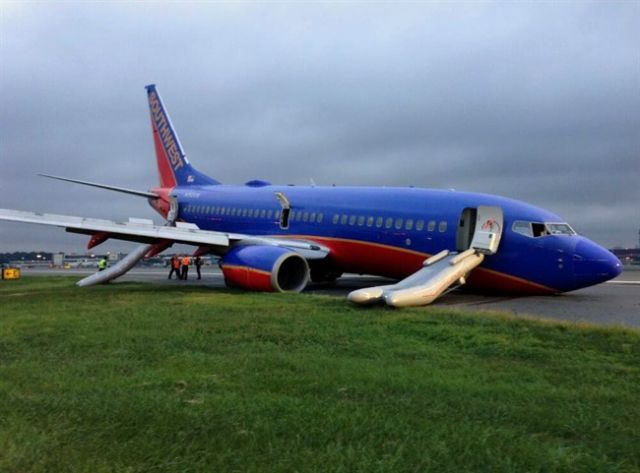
x,y
390,231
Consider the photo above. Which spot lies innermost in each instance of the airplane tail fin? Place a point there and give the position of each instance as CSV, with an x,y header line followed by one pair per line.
x,y
173,167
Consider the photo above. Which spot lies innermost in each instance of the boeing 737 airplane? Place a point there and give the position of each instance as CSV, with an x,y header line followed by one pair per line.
x,y
277,238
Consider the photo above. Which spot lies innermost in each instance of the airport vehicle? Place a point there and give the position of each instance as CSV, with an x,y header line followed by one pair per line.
x,y
276,238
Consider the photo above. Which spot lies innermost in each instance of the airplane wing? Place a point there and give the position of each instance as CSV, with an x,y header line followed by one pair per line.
x,y
144,231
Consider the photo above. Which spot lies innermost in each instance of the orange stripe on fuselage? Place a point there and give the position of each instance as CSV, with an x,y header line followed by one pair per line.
x,y
365,257
490,280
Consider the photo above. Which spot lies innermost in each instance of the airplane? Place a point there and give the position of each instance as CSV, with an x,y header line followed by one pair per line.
x,y
279,237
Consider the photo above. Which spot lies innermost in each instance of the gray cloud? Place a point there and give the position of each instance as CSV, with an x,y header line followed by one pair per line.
x,y
539,102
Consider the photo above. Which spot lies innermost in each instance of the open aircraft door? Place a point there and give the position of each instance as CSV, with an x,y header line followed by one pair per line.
x,y
172,216
488,230
478,235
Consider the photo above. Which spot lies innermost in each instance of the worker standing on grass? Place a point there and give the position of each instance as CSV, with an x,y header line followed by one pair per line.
x,y
175,266
102,264
186,261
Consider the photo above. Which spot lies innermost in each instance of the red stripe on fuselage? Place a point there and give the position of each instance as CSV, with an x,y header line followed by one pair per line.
x,y
354,256
363,257
486,279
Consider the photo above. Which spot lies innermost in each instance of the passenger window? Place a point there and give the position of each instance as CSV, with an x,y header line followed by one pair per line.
x,y
432,226
388,223
379,221
343,219
270,214
442,227
408,224
398,223
312,217
335,219
276,215
263,213
320,217
369,221
305,216
352,219
420,225
361,220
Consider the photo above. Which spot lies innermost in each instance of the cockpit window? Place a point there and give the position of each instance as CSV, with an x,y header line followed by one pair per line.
x,y
539,230
536,229
524,228
559,229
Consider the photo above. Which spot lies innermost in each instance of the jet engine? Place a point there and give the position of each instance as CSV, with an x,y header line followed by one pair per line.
x,y
265,268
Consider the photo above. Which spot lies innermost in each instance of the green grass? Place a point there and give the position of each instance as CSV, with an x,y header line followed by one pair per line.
x,y
153,378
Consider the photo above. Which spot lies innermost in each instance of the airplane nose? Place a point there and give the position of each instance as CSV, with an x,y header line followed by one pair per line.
x,y
593,264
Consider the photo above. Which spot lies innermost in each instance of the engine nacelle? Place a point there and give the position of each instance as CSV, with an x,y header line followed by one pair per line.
x,y
265,268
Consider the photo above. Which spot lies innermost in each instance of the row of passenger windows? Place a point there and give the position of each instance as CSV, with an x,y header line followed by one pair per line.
x,y
398,223
389,222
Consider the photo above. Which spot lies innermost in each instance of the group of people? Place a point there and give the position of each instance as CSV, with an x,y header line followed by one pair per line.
x,y
179,265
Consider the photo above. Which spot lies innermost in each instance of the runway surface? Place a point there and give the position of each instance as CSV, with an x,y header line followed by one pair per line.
x,y
614,303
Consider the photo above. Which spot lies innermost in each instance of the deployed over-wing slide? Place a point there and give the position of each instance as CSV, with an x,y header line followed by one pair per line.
x,y
441,271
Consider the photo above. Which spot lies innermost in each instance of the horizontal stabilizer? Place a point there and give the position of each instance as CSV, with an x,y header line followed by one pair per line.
x,y
149,195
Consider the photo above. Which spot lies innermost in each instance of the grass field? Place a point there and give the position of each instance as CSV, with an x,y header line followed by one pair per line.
x,y
139,377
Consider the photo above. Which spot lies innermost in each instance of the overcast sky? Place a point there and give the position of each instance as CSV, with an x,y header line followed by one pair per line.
x,y
534,101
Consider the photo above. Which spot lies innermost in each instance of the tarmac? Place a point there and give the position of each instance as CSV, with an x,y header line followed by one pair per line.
x,y
615,303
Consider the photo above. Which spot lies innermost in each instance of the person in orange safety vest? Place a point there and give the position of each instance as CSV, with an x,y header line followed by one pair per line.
x,y
175,266
186,261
